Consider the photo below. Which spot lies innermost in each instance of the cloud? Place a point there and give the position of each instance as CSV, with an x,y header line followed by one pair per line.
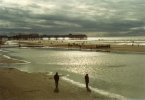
x,y
112,17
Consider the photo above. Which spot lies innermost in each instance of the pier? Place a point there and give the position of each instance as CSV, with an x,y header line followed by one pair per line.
x,y
40,37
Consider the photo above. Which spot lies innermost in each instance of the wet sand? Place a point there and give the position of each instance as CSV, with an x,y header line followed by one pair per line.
x,y
17,85
128,48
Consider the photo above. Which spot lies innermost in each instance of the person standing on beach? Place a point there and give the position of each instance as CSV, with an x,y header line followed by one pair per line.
x,y
87,81
56,78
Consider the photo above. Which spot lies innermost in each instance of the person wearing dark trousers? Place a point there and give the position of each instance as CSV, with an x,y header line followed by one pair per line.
x,y
56,78
87,82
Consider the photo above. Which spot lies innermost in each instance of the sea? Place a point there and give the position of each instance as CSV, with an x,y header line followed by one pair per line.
x,y
115,74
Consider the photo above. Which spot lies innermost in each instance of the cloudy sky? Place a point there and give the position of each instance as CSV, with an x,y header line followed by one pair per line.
x,y
92,17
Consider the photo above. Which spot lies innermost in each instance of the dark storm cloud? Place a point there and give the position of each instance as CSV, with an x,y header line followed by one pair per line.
x,y
112,17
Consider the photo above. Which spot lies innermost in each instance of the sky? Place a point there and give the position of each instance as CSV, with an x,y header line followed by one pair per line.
x,y
90,17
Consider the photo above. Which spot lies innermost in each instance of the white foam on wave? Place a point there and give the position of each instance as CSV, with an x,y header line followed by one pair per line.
x,y
96,90
1,50
6,56
25,62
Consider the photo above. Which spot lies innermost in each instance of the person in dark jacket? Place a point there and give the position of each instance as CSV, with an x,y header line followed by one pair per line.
x,y
87,81
56,78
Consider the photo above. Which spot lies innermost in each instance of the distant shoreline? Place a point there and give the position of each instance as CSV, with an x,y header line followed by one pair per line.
x,y
85,45
98,46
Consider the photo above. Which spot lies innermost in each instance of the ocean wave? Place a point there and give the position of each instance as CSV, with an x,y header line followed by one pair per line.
x,y
102,92
1,50
8,57
5,56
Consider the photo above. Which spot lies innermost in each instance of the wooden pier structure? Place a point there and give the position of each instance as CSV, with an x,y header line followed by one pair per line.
x,y
40,37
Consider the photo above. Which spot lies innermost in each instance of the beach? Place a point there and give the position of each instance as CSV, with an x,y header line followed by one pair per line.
x,y
95,48
17,85
113,69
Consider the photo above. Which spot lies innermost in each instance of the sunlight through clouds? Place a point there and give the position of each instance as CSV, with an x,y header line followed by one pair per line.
x,y
89,16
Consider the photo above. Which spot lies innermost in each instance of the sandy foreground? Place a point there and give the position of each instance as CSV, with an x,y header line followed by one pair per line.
x,y
17,85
